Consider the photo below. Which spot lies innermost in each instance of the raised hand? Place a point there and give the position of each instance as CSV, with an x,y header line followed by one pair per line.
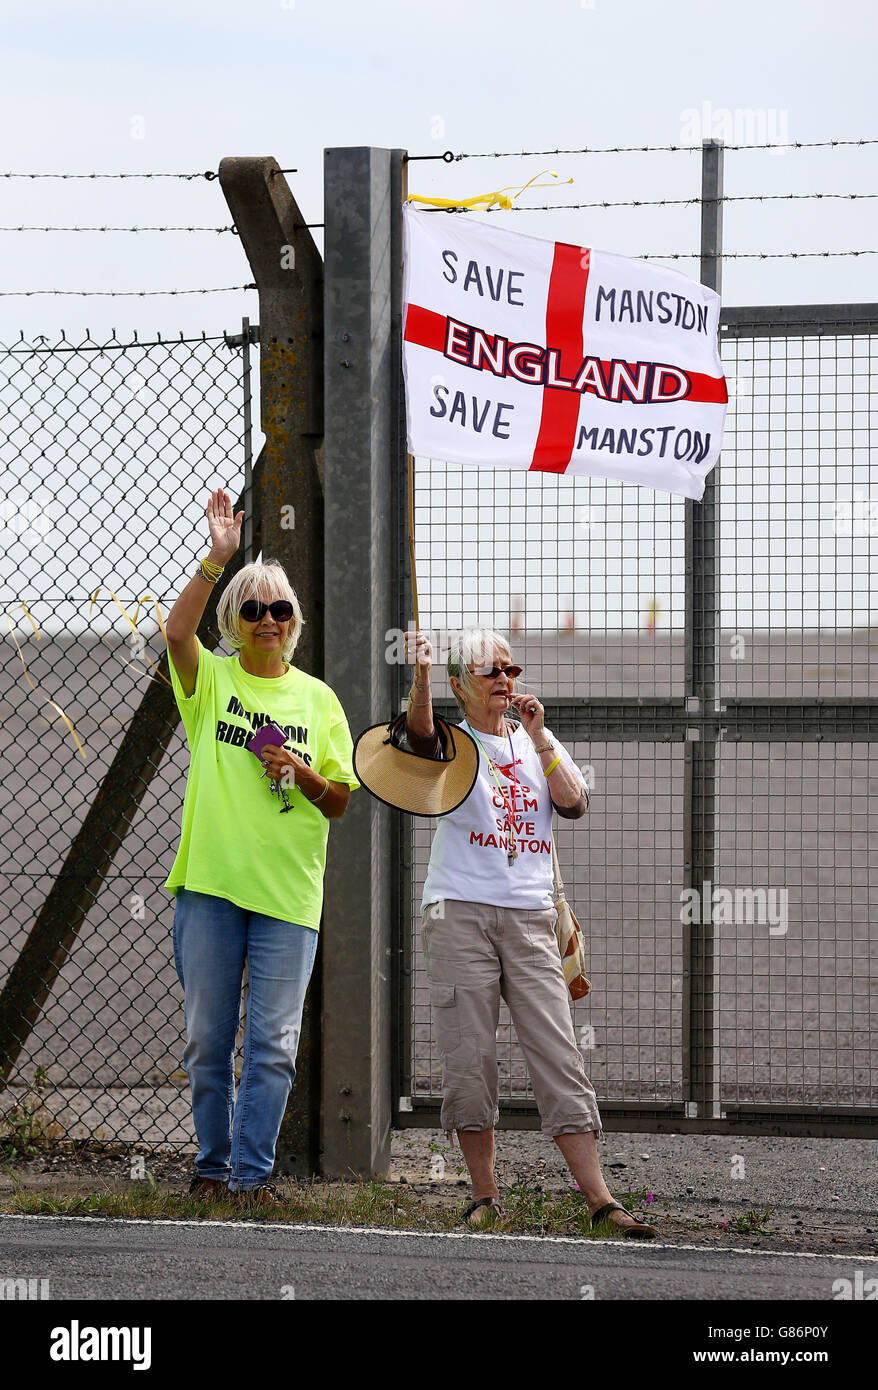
x,y
225,527
419,649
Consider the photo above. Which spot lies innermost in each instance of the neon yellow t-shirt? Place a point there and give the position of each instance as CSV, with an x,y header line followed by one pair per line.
x,y
235,843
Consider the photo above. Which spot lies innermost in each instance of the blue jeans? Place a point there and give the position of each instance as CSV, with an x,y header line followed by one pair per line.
x,y
212,939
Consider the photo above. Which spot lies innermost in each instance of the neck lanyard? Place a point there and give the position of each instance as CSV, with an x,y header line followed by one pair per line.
x,y
512,852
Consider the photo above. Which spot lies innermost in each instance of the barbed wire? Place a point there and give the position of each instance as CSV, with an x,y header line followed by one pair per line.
x,y
516,207
120,229
679,202
638,255
113,294
22,347
449,157
746,255
749,255
208,174
231,228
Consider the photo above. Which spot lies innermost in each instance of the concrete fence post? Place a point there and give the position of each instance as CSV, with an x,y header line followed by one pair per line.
x,y
363,193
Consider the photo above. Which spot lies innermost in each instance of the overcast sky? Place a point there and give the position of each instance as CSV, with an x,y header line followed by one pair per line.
x,y
152,86
147,85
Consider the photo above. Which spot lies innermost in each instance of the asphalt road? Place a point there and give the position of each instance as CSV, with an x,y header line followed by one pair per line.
x,y
95,1258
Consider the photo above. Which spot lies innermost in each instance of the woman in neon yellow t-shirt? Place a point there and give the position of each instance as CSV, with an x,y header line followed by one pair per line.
x,y
248,880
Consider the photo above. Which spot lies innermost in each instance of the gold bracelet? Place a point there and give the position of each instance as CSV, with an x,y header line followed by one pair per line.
x,y
552,766
323,793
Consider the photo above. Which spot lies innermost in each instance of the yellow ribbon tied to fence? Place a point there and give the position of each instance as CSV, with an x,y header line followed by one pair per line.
x,y
131,621
488,200
55,707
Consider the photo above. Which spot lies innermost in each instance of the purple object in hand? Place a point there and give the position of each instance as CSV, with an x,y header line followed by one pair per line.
x,y
270,733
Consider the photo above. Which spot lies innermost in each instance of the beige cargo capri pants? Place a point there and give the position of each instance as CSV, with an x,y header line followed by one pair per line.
x,y
477,955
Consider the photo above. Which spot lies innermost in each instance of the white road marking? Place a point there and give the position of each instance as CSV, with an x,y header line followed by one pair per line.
x,y
439,1235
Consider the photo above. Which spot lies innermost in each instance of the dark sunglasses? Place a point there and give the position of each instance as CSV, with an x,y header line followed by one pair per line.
x,y
510,671
253,610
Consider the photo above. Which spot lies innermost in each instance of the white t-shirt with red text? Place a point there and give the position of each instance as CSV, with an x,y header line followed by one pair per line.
x,y
469,856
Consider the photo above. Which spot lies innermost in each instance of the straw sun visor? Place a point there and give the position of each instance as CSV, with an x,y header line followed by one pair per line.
x,y
421,786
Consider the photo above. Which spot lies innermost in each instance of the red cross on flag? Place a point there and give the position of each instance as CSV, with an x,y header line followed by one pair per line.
x,y
530,354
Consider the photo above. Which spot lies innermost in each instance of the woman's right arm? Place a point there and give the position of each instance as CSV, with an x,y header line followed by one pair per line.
x,y
187,612
419,717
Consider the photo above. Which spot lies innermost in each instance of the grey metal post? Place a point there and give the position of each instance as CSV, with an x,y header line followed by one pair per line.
x,y
363,260
288,272
700,1011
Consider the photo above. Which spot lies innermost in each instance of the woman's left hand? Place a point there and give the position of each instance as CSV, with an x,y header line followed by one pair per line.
x,y
532,714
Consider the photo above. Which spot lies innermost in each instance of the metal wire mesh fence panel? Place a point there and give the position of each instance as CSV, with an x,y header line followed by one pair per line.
x,y
623,883
798,657
799,515
108,452
588,579
797,964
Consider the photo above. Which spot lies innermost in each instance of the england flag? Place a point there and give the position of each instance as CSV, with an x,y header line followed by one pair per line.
x,y
529,354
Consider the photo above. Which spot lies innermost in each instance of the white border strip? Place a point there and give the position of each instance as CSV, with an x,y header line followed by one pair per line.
x,y
643,1245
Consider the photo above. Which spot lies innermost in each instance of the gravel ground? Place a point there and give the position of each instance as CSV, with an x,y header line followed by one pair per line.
x,y
822,1191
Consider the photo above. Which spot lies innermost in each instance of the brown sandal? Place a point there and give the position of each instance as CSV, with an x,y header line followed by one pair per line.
x,y
501,1218
639,1231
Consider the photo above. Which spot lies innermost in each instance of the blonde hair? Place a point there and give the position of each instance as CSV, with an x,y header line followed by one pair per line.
x,y
265,582
474,646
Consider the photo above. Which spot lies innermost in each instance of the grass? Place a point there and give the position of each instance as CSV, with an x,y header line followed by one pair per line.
x,y
753,1222
27,1126
530,1210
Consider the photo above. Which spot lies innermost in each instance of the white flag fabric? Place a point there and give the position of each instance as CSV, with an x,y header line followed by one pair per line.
x,y
530,354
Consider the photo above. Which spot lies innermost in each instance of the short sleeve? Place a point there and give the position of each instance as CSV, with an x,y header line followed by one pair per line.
x,y
192,706
569,763
338,759
424,747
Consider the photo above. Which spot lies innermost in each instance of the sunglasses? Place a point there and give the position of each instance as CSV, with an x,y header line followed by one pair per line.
x,y
510,671
253,610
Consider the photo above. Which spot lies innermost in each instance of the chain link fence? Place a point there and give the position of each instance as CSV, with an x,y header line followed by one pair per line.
x,y
107,454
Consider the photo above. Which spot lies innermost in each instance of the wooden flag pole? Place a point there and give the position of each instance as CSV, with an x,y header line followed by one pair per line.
x,y
411,492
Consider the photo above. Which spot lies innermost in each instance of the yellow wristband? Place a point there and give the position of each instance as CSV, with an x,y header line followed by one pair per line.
x,y
209,571
552,766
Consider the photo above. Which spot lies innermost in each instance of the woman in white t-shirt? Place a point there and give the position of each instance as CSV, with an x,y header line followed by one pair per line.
x,y
488,922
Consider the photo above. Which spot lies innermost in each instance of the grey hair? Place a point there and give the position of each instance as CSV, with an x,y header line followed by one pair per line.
x,y
266,582
473,646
